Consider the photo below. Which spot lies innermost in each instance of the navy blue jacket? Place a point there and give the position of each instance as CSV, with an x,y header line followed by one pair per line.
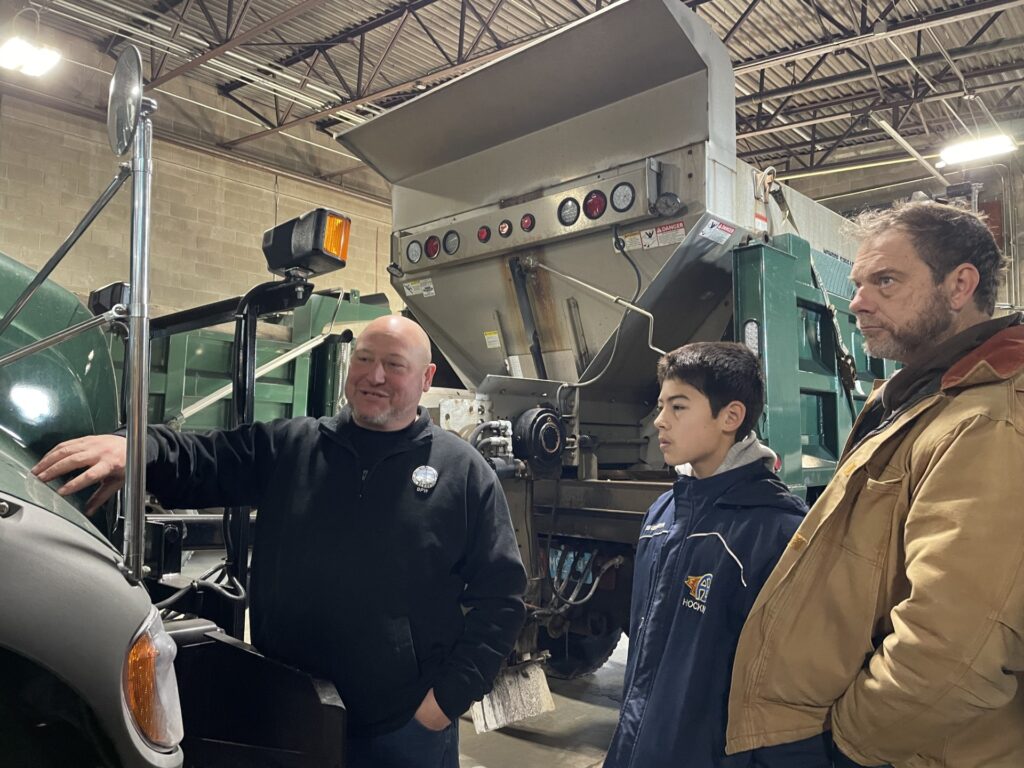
x,y
705,550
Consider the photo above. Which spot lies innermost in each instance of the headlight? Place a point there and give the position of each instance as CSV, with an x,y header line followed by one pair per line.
x,y
150,687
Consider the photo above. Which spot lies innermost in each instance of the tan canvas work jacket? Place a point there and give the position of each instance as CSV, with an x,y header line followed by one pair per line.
x,y
896,615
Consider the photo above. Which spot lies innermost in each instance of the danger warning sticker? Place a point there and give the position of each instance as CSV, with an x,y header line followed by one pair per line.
x,y
717,231
654,237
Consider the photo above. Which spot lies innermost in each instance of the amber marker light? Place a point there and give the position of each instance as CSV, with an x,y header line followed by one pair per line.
x,y
150,687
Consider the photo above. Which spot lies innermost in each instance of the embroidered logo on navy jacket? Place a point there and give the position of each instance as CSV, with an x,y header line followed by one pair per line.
x,y
699,587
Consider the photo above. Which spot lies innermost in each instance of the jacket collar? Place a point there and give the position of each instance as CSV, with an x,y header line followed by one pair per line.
x,y
339,428
1001,357
751,485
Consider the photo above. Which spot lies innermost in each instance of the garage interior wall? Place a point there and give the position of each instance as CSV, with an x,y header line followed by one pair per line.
x,y
208,213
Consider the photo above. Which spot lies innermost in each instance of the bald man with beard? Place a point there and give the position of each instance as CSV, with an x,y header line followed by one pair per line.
x,y
384,559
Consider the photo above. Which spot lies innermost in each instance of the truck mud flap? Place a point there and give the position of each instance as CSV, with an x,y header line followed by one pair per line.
x,y
243,710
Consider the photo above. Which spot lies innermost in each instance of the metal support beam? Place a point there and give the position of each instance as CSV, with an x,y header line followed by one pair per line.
x,y
969,50
297,10
340,37
209,20
234,26
387,50
155,71
433,39
871,96
486,26
839,142
739,22
371,97
785,101
895,136
910,26
302,84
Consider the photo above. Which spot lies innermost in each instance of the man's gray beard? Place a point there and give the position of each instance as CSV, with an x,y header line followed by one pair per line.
x,y
377,419
928,330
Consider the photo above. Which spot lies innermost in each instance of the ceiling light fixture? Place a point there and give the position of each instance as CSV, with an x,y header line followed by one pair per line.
x,y
24,55
977,149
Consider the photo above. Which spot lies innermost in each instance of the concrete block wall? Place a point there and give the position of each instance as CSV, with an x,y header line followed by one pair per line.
x,y
208,214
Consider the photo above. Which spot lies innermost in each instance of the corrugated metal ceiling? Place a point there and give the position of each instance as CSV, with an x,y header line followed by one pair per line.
x,y
380,53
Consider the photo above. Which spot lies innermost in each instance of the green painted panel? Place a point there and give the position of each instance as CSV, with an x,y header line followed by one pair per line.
x,y
60,393
807,414
189,366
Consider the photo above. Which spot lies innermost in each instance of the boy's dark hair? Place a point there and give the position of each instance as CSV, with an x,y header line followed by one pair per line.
x,y
944,236
722,372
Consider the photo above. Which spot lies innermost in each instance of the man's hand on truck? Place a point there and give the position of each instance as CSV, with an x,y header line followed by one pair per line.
x,y
102,457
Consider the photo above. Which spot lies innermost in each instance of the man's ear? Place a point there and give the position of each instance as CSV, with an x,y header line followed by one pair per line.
x,y
732,415
961,283
428,376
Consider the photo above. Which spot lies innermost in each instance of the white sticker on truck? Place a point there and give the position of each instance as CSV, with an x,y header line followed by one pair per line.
x,y
423,287
717,231
669,234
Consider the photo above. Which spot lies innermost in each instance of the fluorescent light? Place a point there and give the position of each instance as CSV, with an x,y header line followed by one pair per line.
x,y
976,149
17,53
14,52
41,62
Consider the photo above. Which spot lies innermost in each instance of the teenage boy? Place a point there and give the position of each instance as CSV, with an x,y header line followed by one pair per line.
x,y
705,549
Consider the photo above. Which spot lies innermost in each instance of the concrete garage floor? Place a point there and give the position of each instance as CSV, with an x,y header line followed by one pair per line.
x,y
575,735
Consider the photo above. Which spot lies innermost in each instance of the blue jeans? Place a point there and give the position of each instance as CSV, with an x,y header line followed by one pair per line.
x,y
411,746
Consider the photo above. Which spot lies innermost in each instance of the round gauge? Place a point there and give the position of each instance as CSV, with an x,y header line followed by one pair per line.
x,y
432,246
623,196
595,204
451,242
414,252
505,228
568,212
528,222
668,204
483,234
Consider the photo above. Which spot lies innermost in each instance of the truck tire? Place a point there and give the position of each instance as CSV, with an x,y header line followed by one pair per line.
x,y
574,655
29,745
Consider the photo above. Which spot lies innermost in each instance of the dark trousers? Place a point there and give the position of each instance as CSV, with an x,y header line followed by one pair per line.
x,y
815,752
808,753
411,746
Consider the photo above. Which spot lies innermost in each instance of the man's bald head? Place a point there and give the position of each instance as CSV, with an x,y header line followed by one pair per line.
x,y
401,328
389,372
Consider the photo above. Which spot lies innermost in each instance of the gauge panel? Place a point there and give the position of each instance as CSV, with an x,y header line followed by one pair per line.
x,y
591,204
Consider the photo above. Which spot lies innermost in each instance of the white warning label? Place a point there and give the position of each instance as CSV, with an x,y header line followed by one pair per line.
x,y
492,340
423,287
669,234
654,237
717,231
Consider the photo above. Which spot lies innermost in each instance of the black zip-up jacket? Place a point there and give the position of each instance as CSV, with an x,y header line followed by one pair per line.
x,y
359,577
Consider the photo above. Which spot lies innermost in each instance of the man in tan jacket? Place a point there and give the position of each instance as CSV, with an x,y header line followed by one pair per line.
x,y
895,617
